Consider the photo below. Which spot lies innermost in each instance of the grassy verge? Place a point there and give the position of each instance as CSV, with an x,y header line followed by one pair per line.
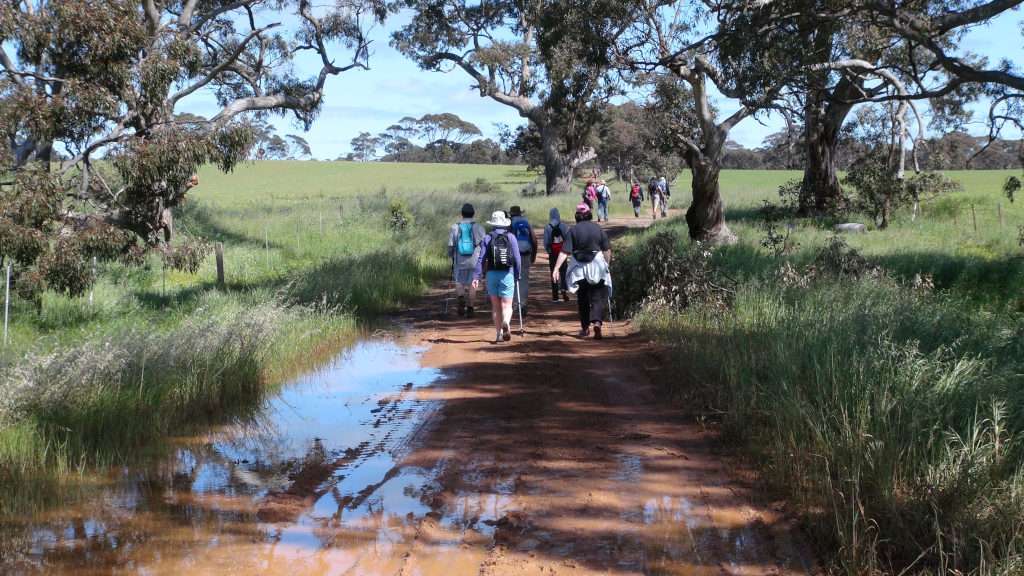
x,y
890,415
310,254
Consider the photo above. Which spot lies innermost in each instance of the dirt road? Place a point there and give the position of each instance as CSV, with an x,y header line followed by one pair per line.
x,y
439,454
577,464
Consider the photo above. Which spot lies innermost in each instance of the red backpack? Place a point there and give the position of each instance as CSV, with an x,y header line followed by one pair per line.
x,y
557,240
634,193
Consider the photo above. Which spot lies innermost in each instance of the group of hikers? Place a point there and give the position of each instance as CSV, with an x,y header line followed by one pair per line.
x,y
579,258
659,193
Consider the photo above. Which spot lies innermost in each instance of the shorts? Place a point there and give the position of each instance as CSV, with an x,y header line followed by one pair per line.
x,y
464,276
501,283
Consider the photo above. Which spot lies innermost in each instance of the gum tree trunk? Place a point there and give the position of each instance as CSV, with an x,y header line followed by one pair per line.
x,y
706,216
557,165
824,116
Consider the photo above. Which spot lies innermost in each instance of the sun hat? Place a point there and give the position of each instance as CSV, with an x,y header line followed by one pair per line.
x,y
499,220
582,209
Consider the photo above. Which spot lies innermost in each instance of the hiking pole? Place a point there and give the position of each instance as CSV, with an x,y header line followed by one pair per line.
x,y
522,330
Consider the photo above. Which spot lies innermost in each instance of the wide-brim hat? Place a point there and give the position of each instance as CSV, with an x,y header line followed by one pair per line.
x,y
499,220
582,209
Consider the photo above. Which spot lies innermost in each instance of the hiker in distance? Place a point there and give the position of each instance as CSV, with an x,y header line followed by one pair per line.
x,y
604,195
657,199
636,197
500,264
555,234
665,195
528,250
589,254
590,194
464,241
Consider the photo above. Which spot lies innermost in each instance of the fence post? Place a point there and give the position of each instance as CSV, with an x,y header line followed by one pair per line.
x,y
92,287
266,244
218,250
974,217
7,301
999,208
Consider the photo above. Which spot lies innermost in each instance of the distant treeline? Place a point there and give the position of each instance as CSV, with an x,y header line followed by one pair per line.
x,y
954,151
622,144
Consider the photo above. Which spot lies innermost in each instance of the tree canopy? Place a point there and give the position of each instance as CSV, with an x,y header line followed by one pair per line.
x,y
104,79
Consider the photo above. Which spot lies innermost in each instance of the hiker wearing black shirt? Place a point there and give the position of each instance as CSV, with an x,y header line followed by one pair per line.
x,y
589,253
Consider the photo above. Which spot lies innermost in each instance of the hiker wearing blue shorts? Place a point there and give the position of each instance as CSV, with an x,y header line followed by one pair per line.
x,y
464,240
501,265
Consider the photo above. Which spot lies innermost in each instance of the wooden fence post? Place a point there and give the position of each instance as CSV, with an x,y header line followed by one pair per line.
x,y
999,208
974,217
218,250
92,287
7,301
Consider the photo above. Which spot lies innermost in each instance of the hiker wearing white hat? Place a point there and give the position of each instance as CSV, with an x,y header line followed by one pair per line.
x,y
501,265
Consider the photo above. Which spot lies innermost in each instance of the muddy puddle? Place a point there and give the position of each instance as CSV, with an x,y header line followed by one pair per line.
x,y
310,484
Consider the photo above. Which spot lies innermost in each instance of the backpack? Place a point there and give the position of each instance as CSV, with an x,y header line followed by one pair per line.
x,y
467,243
590,193
523,233
557,240
634,193
500,255
604,193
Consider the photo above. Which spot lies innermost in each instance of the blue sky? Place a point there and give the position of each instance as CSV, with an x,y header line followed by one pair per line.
x,y
370,101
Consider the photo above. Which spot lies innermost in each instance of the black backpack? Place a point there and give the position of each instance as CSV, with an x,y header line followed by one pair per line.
x,y
499,257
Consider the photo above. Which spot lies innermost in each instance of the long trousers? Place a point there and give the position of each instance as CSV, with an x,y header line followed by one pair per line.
x,y
592,301
561,286
602,211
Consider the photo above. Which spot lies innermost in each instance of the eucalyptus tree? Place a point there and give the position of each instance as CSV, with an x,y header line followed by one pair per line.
x,y
838,54
105,79
546,59
672,47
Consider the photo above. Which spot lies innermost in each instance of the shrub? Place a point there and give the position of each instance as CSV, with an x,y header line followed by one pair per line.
x,y
400,217
479,186
658,274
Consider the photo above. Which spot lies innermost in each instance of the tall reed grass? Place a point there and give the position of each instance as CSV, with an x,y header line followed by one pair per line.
x,y
891,418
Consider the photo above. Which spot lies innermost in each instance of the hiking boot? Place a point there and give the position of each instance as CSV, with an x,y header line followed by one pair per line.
x,y
462,306
584,332
565,296
498,337
597,333
506,333
470,311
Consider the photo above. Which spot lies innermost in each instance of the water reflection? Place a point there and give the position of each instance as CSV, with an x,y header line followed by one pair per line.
x,y
314,470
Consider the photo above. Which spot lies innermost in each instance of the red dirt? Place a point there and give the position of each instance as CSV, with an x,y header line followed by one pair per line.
x,y
590,470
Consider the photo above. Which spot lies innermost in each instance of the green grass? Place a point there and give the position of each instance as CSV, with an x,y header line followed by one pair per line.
x,y
310,258
890,417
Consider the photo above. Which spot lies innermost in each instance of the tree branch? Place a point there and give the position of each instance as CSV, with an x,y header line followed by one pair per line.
x,y
521,104
228,62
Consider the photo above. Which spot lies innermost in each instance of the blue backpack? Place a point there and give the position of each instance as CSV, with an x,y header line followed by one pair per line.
x,y
467,243
523,233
